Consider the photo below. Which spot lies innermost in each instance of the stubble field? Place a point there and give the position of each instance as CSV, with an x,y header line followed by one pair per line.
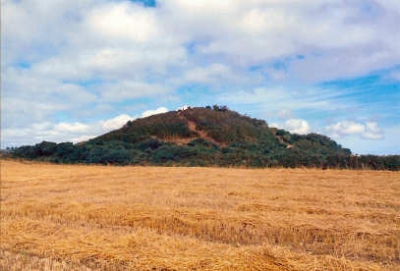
x,y
73,217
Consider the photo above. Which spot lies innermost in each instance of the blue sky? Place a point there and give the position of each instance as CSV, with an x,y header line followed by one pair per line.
x,y
72,70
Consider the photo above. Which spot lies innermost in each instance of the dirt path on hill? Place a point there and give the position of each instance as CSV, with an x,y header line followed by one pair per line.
x,y
202,134
193,127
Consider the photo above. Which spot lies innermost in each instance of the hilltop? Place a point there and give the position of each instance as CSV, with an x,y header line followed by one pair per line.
x,y
205,136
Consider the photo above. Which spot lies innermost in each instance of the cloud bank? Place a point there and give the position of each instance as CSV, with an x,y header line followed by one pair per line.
x,y
368,130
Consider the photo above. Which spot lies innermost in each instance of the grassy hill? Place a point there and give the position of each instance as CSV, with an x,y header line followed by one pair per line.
x,y
210,136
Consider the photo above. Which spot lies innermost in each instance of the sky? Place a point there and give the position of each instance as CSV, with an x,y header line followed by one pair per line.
x,y
75,69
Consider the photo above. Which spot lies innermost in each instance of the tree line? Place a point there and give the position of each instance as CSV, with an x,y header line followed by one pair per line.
x,y
199,152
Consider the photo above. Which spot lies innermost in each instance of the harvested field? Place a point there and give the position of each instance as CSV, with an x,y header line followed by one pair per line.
x,y
74,217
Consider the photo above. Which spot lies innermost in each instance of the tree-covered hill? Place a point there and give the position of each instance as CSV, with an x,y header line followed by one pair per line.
x,y
210,136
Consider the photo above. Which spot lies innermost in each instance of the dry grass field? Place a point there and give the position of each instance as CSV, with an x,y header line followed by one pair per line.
x,y
73,217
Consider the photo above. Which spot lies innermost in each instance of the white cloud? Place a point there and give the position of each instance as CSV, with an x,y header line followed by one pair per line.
x,y
66,131
274,96
368,130
127,89
255,31
28,98
115,123
81,138
114,38
207,74
372,131
276,74
273,99
347,128
75,127
342,65
297,126
363,145
159,110
62,131
124,21
35,30
239,33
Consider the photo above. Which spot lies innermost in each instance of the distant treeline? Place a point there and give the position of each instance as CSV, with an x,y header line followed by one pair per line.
x,y
197,153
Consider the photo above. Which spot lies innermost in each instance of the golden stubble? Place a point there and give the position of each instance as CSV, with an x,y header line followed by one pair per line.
x,y
76,217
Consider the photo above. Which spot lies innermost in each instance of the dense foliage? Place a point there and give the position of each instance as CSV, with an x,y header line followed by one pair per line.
x,y
211,136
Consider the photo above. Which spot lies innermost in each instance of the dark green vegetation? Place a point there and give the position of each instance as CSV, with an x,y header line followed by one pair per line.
x,y
211,136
